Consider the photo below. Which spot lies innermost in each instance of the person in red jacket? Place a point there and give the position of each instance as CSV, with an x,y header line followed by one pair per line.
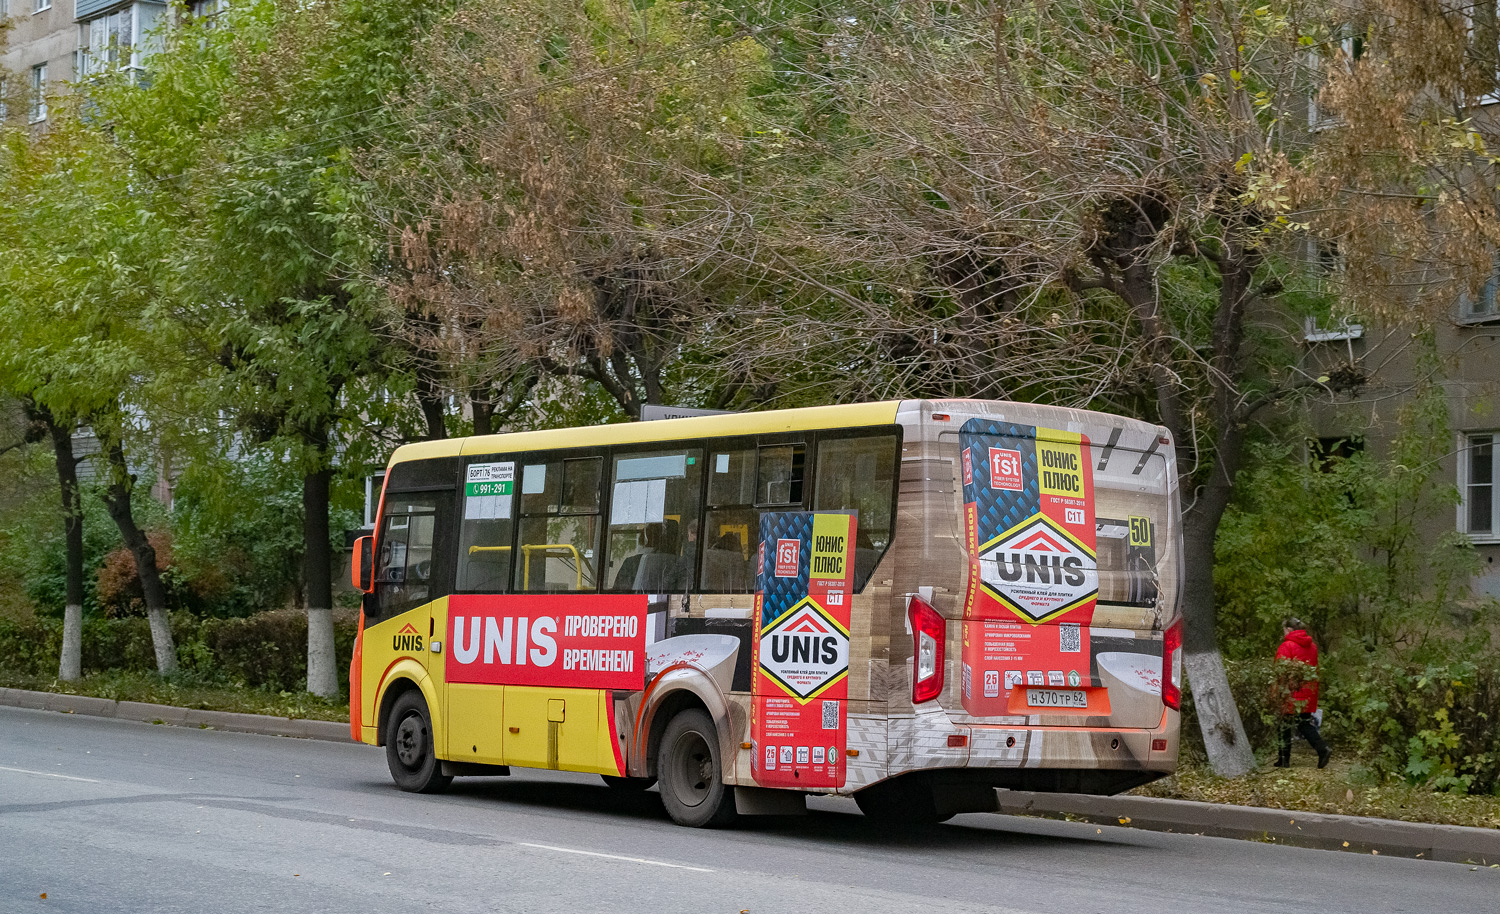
x,y
1297,674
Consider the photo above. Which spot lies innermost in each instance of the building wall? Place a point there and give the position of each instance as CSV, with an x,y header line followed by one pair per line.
x,y
1466,366
49,37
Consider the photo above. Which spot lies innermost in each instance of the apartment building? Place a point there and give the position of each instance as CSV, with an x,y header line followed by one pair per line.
x,y
51,43
1463,359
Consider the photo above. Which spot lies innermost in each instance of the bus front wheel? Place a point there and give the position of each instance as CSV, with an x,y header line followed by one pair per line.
x,y
409,750
691,774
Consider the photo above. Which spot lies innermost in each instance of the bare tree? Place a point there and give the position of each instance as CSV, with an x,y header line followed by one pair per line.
x,y
545,213
1086,203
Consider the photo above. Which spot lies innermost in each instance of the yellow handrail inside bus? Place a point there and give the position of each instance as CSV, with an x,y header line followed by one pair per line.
x,y
564,548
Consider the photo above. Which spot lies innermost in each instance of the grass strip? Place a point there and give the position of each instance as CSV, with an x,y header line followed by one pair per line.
x,y
187,691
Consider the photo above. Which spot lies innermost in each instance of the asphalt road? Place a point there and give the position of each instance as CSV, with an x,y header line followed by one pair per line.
x,y
108,816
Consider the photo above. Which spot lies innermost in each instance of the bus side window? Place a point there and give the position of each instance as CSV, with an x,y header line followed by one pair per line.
x,y
859,475
653,521
731,523
779,474
488,527
410,564
559,526
743,483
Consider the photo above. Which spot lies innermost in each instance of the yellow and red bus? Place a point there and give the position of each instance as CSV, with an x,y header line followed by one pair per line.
x,y
912,603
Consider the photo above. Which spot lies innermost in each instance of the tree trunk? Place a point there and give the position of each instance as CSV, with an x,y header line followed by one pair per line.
x,y
1229,751
430,399
317,576
482,402
70,665
117,501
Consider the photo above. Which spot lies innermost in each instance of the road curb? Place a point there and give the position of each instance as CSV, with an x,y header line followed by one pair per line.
x,y
143,712
1450,843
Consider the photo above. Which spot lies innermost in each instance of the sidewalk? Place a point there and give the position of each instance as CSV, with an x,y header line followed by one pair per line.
x,y
179,717
1452,843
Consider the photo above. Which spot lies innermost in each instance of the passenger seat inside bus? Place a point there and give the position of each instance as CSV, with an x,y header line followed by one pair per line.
x,y
725,568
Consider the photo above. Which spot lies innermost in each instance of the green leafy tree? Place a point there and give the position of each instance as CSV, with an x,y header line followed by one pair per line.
x,y
83,281
252,128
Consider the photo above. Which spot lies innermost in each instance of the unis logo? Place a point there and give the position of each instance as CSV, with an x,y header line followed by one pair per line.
x,y
805,651
407,639
1038,570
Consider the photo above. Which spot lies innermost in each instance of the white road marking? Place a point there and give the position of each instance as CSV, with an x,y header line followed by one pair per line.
x,y
48,774
570,850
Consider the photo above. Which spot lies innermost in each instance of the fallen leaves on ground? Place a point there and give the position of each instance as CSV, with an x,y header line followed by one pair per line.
x,y
1343,788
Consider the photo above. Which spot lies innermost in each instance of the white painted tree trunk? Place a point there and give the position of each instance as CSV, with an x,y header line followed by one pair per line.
x,y
70,667
161,640
322,672
1229,752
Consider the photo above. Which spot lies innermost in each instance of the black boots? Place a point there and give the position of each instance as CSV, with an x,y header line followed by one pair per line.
x,y
1323,755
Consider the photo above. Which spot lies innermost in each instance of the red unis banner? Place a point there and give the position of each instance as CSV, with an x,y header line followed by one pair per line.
x,y
577,642
1033,578
801,650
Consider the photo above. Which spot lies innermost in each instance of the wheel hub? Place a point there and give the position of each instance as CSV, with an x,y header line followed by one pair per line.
x,y
411,740
695,767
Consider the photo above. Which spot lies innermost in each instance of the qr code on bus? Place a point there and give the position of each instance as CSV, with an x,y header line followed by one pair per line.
x,y
1068,638
830,715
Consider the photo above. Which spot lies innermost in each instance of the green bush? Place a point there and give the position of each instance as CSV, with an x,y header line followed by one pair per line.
x,y
31,648
1432,725
269,650
265,651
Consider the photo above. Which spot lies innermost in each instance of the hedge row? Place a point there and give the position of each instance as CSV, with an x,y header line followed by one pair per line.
x,y
267,650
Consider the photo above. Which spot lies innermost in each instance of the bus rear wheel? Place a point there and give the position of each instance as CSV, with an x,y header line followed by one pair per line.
x,y
691,773
409,750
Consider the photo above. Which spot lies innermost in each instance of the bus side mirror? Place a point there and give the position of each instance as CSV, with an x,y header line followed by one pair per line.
x,y
361,571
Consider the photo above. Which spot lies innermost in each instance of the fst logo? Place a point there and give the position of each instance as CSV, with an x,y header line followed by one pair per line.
x,y
1005,469
786,557
407,639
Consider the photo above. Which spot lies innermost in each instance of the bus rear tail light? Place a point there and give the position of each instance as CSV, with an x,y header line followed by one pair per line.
x,y
929,633
1171,667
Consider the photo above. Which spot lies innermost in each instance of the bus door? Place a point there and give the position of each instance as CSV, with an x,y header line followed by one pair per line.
x,y
412,572
475,704
525,644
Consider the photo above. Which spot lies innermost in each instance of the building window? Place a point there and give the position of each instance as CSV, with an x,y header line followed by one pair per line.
x,y
39,93
205,9
1483,305
41,6
4,8
1476,470
374,485
104,42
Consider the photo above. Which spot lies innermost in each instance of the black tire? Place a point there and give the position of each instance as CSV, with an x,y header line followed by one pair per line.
x,y
900,804
691,774
627,785
409,750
